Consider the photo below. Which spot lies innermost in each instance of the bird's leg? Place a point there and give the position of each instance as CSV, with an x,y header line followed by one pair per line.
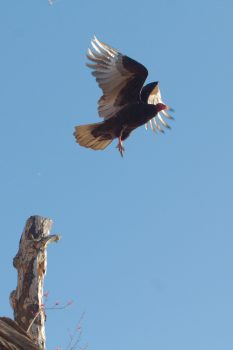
x,y
120,144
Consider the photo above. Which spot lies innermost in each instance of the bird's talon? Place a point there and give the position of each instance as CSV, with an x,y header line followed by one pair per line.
x,y
120,148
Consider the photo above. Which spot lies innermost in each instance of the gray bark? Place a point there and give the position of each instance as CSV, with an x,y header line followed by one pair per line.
x,y
12,337
31,265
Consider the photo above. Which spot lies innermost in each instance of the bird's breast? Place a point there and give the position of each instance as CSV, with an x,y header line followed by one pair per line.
x,y
136,115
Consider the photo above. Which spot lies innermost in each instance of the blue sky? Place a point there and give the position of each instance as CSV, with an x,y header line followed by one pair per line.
x,y
146,247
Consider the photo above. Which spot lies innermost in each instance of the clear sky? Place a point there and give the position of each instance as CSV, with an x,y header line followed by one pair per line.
x,y
147,247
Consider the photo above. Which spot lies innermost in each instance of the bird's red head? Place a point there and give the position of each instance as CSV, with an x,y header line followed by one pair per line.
x,y
161,107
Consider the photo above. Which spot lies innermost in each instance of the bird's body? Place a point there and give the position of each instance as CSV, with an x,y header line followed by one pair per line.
x,y
129,118
125,104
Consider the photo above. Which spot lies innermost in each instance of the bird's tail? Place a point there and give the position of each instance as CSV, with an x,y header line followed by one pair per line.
x,y
93,136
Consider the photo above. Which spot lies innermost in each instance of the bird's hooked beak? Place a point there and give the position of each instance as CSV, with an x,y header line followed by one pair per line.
x,y
168,108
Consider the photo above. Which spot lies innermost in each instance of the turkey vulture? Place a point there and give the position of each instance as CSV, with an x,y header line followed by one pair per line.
x,y
125,104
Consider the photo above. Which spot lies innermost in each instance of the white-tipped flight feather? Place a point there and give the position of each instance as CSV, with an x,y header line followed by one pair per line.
x,y
155,98
113,77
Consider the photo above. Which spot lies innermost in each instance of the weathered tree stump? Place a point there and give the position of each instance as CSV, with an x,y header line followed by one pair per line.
x,y
28,326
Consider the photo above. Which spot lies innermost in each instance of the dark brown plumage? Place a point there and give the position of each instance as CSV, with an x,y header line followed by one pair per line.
x,y
125,104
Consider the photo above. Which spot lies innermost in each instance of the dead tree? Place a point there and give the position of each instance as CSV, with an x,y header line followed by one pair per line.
x,y
27,330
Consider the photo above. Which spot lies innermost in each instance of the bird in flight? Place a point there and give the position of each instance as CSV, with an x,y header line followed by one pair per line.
x,y
125,104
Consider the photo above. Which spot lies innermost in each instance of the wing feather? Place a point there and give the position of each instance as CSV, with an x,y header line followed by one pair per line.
x,y
151,94
120,78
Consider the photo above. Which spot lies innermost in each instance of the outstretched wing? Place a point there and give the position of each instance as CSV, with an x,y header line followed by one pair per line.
x,y
119,76
151,94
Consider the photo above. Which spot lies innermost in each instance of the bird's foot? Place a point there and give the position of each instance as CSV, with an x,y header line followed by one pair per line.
x,y
120,147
